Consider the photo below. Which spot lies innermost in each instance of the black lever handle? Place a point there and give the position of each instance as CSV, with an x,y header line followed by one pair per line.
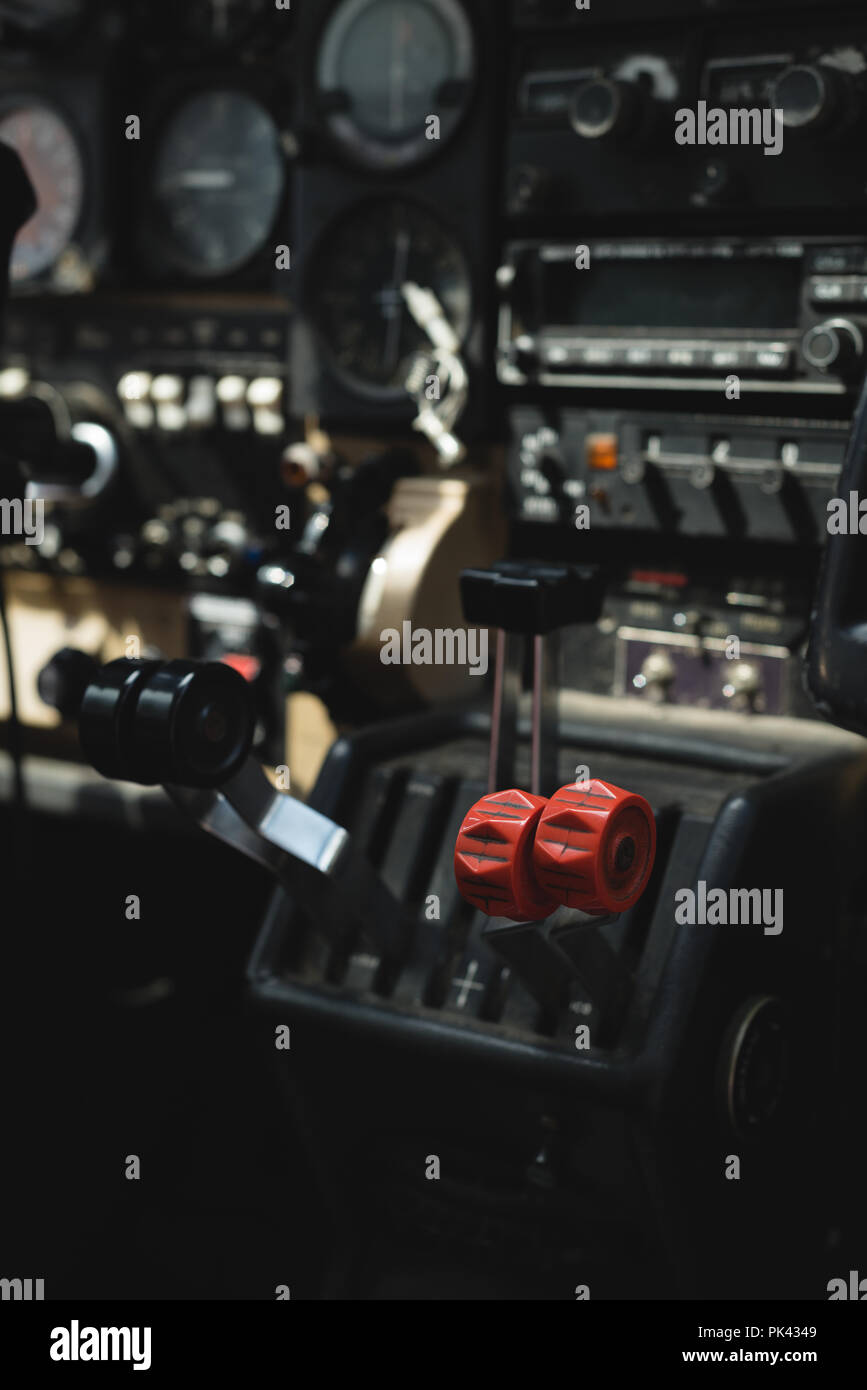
x,y
189,725
186,723
532,601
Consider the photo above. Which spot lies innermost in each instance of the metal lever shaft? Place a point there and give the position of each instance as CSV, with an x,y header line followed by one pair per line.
x,y
312,856
528,602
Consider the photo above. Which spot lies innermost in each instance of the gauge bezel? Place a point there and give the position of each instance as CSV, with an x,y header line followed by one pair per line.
x,y
15,100
365,390
366,151
194,27
163,258
51,28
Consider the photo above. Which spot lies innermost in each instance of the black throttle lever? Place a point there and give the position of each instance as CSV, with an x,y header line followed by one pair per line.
x,y
189,726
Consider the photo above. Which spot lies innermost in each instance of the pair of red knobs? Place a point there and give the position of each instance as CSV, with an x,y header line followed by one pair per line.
x,y
590,846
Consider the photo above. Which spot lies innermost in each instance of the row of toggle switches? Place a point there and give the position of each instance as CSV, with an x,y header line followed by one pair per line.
x,y
172,403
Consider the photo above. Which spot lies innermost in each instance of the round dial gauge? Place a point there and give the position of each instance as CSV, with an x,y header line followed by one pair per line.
x,y
217,183
51,155
357,304
386,68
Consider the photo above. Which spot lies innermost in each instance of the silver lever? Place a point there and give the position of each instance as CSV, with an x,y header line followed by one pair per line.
x,y
311,856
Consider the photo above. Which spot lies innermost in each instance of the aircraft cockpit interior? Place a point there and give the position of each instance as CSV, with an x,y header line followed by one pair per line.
x,y
433,666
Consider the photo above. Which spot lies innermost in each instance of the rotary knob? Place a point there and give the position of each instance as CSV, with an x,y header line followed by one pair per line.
x,y
494,857
603,108
743,688
595,846
657,675
836,344
810,97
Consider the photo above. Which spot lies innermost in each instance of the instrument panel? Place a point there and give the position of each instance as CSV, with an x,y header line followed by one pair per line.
x,y
412,220
313,159
153,160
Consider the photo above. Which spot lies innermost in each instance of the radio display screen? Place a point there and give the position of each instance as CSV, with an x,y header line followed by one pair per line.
x,y
700,293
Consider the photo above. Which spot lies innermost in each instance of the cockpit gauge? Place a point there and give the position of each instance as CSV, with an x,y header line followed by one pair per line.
x,y
52,157
357,303
394,78
217,184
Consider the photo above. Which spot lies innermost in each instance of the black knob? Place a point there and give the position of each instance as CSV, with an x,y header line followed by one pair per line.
x,y
183,722
603,108
809,97
836,344
62,683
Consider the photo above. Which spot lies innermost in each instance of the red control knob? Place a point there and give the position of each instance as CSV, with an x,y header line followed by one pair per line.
x,y
594,847
494,857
